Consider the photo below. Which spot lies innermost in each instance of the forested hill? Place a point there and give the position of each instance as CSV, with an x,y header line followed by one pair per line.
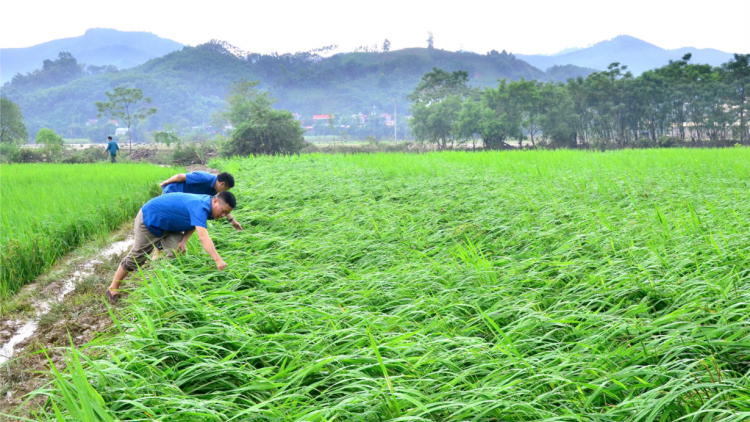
x,y
189,85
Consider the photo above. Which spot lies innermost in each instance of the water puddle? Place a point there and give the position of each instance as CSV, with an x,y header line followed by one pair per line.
x,y
42,307
22,334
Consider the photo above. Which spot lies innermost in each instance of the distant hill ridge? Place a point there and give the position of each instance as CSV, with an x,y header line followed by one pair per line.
x,y
637,54
98,46
189,85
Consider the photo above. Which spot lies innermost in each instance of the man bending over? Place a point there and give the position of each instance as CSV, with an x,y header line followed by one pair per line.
x,y
172,219
201,183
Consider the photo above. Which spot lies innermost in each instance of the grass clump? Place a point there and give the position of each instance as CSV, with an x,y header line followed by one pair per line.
x,y
514,286
48,209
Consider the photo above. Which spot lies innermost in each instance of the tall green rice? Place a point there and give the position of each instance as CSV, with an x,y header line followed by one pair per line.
x,y
47,209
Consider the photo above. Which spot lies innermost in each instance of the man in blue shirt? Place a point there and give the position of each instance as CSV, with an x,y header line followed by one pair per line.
x,y
172,219
201,183
112,147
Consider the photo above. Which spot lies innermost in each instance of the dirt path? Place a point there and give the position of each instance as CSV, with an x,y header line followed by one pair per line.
x,y
66,299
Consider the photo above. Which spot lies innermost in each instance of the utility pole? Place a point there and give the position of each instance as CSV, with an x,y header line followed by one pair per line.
x,y
395,123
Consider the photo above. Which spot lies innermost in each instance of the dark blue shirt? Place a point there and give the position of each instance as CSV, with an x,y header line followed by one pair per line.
x,y
196,182
179,212
112,147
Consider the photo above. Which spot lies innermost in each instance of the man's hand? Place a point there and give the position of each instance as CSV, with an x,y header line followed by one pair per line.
x,y
164,183
182,247
220,264
236,224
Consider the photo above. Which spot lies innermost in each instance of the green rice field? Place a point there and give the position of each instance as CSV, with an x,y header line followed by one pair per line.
x,y
508,286
48,209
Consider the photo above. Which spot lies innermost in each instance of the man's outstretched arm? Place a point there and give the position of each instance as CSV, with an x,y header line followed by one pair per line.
x,y
208,246
177,178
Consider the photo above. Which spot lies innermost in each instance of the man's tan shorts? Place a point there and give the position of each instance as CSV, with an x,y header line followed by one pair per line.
x,y
144,244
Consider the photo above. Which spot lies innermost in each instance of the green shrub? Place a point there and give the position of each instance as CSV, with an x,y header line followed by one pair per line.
x,y
668,141
53,144
9,152
86,155
32,155
187,154
275,132
644,143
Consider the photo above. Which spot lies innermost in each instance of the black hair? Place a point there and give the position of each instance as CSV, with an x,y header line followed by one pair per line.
x,y
109,137
227,179
228,198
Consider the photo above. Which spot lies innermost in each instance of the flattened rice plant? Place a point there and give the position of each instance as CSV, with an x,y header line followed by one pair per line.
x,y
513,286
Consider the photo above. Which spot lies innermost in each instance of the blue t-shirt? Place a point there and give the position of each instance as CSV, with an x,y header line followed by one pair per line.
x,y
112,147
196,182
179,212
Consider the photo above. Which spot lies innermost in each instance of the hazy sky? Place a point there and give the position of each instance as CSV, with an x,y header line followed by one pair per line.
x,y
518,26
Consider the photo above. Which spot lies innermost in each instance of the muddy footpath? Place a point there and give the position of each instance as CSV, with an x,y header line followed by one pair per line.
x,y
64,304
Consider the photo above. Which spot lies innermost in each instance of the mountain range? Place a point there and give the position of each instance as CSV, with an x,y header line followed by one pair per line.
x,y
188,84
98,46
637,54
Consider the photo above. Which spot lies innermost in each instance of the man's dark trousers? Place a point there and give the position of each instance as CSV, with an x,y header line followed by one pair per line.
x,y
114,160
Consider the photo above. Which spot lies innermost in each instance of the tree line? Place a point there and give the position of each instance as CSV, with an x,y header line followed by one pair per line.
x,y
678,103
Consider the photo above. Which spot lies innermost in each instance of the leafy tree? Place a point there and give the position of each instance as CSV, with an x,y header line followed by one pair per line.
x,y
738,76
244,101
468,124
558,117
503,114
260,129
530,103
269,132
439,84
430,41
12,129
168,136
386,46
128,105
53,143
435,123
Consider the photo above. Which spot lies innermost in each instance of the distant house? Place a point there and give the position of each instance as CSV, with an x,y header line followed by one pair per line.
x,y
121,131
296,116
114,122
322,117
91,122
362,118
388,119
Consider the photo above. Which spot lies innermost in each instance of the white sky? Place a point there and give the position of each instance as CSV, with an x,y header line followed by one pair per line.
x,y
264,26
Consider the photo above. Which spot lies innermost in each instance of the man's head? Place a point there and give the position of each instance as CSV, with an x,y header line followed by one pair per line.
x,y
224,182
109,137
222,204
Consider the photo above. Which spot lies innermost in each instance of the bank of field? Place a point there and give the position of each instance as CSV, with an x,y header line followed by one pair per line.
x,y
47,209
514,286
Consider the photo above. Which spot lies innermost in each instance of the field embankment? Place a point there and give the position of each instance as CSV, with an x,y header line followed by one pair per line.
x,y
48,209
511,286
